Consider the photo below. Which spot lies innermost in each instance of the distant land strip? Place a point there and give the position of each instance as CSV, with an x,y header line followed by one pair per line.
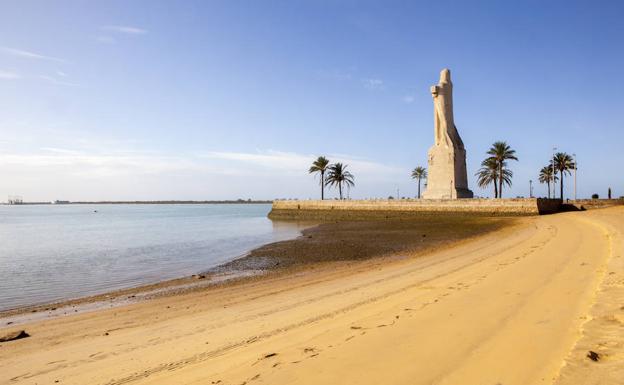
x,y
161,202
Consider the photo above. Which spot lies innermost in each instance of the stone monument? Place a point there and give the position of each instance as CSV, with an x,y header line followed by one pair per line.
x,y
447,177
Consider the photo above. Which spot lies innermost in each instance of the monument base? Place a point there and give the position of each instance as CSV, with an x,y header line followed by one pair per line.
x,y
450,193
447,177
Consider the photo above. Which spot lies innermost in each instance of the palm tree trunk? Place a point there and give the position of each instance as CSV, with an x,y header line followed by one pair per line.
x,y
340,189
561,186
500,180
548,184
418,188
495,190
322,185
554,192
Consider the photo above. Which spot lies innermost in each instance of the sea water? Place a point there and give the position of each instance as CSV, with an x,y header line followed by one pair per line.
x,y
57,252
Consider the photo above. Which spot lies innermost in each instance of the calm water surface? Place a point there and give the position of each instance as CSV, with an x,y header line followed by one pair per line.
x,y
57,252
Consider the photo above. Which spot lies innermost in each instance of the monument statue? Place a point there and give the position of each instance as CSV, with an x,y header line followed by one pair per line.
x,y
447,176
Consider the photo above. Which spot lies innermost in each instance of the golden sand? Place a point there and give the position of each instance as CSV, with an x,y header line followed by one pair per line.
x,y
522,305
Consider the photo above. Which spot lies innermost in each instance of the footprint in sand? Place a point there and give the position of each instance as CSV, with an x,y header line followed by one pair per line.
x,y
55,362
269,355
390,324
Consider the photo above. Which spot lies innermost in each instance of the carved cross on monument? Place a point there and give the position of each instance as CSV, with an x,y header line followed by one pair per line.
x,y
447,176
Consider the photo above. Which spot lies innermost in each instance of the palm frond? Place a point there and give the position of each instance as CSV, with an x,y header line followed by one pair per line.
x,y
419,173
319,165
501,151
563,163
338,175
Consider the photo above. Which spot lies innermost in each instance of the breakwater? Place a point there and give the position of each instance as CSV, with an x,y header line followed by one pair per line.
x,y
373,209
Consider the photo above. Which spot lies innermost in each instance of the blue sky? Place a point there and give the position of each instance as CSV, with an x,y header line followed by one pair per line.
x,y
228,99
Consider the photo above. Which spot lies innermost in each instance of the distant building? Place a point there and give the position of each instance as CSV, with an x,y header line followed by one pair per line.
x,y
15,200
57,202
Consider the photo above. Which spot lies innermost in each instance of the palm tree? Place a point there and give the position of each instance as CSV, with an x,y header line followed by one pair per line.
x,y
320,166
339,176
501,152
488,174
419,173
547,175
563,163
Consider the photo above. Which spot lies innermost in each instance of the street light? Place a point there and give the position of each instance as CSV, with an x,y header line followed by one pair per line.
x,y
554,174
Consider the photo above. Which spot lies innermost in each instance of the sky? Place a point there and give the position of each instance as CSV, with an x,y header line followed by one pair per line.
x,y
146,100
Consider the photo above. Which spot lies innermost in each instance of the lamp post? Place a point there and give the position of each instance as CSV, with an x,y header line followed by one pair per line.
x,y
554,174
575,166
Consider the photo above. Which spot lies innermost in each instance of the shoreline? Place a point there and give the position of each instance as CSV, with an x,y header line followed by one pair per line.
x,y
159,202
117,298
509,306
265,260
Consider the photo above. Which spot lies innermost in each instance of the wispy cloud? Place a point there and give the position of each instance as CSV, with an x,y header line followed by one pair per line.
x,y
125,29
57,81
294,162
409,99
61,74
274,160
373,84
113,170
97,164
60,150
28,54
8,75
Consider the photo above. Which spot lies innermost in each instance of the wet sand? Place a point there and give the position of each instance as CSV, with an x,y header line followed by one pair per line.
x,y
520,305
328,242
358,240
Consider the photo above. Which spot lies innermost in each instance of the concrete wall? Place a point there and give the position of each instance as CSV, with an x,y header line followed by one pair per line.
x,y
357,209
588,204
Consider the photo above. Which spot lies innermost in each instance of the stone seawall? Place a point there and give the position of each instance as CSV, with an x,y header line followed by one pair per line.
x,y
365,209
589,204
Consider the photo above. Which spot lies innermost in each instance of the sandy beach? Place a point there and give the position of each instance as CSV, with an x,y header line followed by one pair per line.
x,y
524,304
